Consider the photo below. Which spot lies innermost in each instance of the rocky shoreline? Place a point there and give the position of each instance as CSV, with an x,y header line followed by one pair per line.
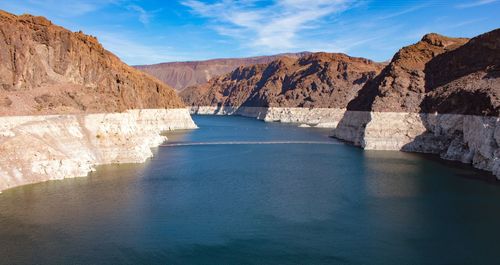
x,y
469,139
50,147
315,117
68,105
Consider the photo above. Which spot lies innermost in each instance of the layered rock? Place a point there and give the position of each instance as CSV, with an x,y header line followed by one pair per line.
x,y
440,96
314,89
49,147
181,75
46,69
326,80
65,104
317,117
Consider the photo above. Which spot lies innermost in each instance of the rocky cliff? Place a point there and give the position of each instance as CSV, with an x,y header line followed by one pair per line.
x,y
319,80
51,147
46,69
181,75
65,104
314,89
440,95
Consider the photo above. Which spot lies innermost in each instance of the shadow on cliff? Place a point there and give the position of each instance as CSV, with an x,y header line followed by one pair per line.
x,y
351,127
464,82
461,82
479,54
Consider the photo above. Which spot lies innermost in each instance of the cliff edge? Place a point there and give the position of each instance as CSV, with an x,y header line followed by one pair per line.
x,y
46,69
440,95
68,105
181,75
319,80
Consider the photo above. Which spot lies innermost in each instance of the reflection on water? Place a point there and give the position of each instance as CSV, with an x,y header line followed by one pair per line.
x,y
294,203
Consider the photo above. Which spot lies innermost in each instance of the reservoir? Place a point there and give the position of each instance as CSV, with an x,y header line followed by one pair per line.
x,y
242,191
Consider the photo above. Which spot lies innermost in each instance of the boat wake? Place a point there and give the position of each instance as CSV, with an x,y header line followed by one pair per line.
x,y
248,143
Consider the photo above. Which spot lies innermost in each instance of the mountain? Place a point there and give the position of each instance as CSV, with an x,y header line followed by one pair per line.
x,y
439,74
107,112
440,95
184,74
316,80
45,68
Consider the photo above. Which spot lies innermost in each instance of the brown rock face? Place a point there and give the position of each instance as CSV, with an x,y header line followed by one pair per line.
x,y
316,80
438,74
45,68
181,75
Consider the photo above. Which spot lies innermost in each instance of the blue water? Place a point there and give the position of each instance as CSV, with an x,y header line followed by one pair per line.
x,y
241,191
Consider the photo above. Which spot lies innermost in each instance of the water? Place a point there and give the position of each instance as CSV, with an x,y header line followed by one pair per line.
x,y
241,191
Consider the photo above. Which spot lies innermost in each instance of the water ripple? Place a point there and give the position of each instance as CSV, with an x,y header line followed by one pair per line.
x,y
248,143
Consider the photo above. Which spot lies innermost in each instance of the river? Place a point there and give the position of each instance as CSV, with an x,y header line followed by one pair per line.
x,y
242,191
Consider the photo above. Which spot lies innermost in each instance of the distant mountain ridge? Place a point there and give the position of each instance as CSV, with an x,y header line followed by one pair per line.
x,y
326,80
181,75
437,74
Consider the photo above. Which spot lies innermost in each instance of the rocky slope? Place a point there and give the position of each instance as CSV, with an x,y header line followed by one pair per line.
x,y
46,69
319,80
314,89
181,75
88,92
440,95
50,147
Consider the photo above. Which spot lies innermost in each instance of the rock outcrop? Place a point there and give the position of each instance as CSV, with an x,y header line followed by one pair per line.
x,y
50,147
314,89
319,80
317,117
46,69
439,96
68,105
181,75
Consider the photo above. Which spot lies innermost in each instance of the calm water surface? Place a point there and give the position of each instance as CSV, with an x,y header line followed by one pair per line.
x,y
227,203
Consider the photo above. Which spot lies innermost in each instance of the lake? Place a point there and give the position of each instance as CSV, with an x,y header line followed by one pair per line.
x,y
242,191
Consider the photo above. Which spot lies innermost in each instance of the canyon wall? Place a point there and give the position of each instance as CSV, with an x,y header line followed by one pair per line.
x,y
49,147
318,80
47,69
68,105
313,90
181,75
440,95
467,138
315,117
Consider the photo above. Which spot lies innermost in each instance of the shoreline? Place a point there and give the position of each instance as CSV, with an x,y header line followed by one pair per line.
x,y
470,139
50,147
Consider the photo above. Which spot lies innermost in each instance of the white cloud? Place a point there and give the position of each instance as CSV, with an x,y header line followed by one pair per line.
x,y
475,3
403,12
274,26
144,16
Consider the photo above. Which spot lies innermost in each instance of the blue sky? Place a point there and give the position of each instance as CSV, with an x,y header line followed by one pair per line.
x,y
144,32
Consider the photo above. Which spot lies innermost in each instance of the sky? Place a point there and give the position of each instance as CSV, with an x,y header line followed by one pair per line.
x,y
147,32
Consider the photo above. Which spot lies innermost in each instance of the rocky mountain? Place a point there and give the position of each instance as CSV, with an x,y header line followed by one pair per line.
x,y
439,74
184,74
325,80
45,68
440,95
113,113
